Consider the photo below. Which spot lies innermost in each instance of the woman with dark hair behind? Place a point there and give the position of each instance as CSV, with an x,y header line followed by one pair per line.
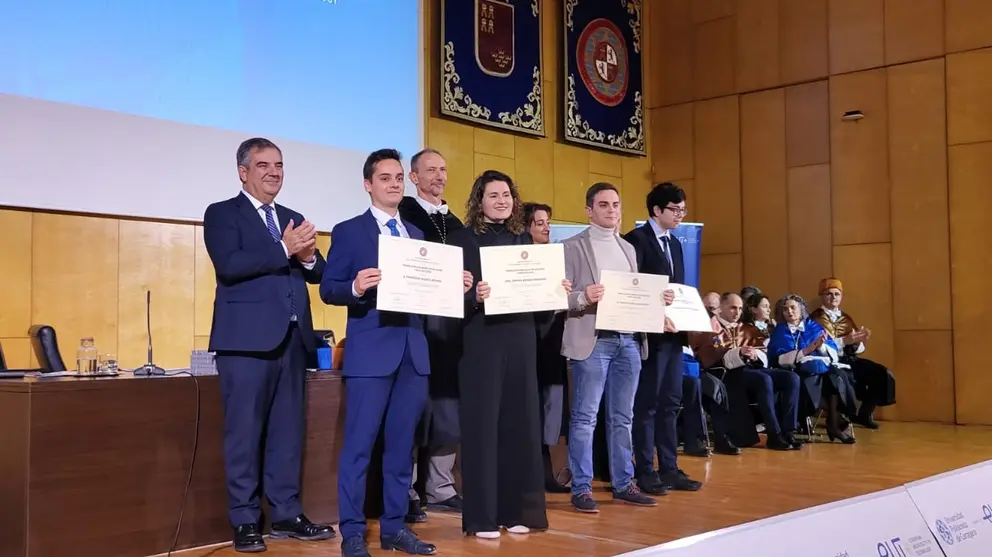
x,y
502,474
758,312
801,344
552,367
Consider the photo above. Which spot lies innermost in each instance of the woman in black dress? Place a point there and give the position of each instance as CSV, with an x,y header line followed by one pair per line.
x,y
502,472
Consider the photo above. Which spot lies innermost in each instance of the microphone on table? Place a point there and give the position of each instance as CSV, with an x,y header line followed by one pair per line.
x,y
150,368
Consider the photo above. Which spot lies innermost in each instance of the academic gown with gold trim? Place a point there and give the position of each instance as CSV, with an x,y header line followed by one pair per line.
x,y
874,383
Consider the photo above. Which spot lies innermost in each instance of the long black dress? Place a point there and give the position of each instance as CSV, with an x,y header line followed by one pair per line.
x,y
502,474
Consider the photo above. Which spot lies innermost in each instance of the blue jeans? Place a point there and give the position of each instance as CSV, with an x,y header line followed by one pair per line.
x,y
612,369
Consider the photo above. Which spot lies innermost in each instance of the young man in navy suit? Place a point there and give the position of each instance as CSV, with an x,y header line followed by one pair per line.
x,y
263,255
659,390
385,364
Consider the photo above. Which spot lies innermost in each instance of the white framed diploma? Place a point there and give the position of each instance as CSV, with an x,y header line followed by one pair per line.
x,y
524,278
631,302
687,312
420,277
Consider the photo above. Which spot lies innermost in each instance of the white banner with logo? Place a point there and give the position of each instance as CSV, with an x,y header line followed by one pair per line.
x,y
957,506
883,524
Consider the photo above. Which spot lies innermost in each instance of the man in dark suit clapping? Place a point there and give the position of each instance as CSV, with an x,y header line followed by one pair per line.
x,y
263,255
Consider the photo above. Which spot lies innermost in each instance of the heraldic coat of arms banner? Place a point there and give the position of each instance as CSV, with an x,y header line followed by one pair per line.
x,y
603,97
491,63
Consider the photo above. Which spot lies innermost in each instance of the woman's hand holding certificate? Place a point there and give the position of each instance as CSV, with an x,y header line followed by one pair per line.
x,y
632,302
520,279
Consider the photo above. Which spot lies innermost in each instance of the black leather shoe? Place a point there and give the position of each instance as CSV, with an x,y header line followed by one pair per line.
x,y
248,539
678,480
652,485
415,513
354,547
302,529
407,542
725,447
775,442
452,504
791,439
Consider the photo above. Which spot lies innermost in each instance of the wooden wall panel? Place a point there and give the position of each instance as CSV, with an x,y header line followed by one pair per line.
x,y
810,249
757,47
918,167
708,10
969,88
721,273
924,370
803,43
713,48
857,35
204,284
763,191
968,24
672,148
158,258
971,264
74,274
15,260
859,160
571,179
18,353
717,180
669,44
914,30
807,120
866,272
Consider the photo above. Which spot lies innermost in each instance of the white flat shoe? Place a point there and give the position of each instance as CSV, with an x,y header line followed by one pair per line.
x,y
518,529
488,535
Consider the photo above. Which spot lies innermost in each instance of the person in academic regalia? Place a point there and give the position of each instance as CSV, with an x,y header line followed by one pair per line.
x,y
552,367
801,344
502,474
874,383
737,348
758,313
438,431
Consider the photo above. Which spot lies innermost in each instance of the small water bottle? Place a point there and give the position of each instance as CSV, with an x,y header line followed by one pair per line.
x,y
86,356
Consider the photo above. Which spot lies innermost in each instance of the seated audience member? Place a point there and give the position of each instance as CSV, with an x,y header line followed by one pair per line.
x,y
749,291
758,313
801,344
704,391
874,384
711,301
552,369
736,347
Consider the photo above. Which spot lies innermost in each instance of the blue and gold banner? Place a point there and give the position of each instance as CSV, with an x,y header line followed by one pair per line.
x,y
491,63
603,101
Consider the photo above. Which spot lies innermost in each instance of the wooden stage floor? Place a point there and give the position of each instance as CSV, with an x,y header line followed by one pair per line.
x,y
755,485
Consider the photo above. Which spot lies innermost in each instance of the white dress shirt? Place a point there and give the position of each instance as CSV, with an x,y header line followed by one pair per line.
x,y
275,216
381,218
431,208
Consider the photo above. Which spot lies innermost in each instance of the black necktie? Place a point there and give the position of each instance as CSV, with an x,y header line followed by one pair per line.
x,y
668,252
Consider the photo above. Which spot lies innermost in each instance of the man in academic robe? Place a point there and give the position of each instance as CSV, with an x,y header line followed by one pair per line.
x,y
438,432
874,384
736,347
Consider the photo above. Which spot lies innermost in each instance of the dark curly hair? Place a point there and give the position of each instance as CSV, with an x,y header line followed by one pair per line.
x,y
473,207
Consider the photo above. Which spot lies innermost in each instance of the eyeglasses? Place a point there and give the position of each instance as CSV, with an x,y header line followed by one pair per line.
x,y
678,211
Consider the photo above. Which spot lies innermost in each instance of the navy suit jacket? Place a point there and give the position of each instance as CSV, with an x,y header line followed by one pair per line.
x,y
255,279
376,341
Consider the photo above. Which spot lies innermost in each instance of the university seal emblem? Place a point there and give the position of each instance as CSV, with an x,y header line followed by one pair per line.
x,y
423,252
601,57
494,37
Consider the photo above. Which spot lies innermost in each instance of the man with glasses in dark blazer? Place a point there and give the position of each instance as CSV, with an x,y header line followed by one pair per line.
x,y
659,390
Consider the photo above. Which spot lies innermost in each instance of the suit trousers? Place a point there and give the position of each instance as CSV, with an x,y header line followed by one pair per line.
x,y
264,417
398,399
656,406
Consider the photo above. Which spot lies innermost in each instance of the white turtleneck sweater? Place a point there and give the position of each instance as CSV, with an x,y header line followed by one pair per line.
x,y
607,251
